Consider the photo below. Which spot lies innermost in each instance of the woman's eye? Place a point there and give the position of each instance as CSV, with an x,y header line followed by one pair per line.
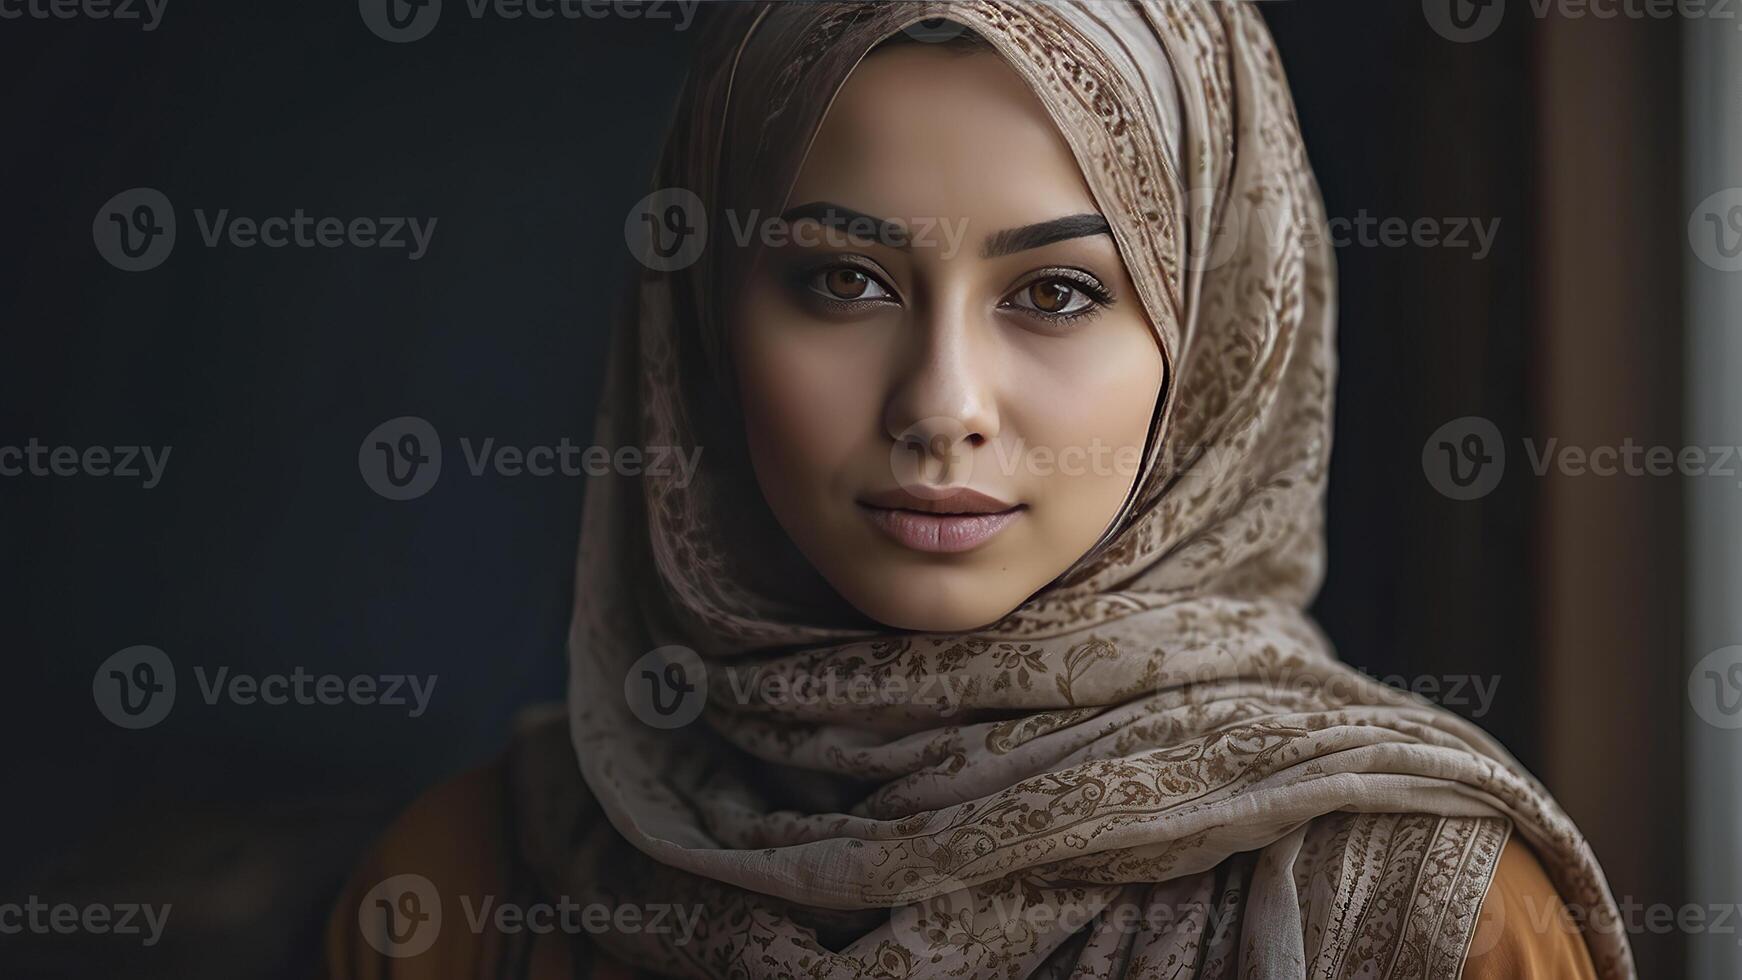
x,y
847,283
1053,297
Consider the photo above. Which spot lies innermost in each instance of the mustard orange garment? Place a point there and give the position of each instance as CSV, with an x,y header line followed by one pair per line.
x,y
1524,930
457,837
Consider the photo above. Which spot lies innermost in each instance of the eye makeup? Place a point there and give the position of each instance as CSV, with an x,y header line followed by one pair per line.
x,y
849,284
1059,295
844,284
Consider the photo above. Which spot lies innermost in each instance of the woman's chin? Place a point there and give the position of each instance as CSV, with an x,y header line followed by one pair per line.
x,y
934,602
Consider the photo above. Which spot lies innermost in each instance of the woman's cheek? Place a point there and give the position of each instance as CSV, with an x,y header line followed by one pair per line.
x,y
1083,424
811,399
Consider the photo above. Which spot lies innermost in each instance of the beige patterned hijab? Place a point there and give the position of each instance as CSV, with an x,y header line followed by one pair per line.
x,y
1156,766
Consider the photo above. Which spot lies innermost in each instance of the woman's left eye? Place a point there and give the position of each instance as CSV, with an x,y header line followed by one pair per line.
x,y
1053,297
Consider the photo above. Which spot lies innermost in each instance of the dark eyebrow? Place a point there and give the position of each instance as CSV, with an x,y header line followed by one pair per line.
x,y
1044,233
885,231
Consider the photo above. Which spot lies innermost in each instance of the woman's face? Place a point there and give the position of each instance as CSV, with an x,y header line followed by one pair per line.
x,y
945,402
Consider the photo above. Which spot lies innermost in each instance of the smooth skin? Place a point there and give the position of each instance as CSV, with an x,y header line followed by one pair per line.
x,y
877,356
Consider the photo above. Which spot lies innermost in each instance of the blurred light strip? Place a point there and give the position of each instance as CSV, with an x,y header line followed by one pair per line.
x,y
1713,134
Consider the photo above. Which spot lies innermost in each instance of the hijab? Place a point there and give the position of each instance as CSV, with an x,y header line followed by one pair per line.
x,y
1156,765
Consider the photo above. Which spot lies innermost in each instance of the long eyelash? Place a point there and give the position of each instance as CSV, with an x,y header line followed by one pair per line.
x,y
1096,290
801,283
1092,287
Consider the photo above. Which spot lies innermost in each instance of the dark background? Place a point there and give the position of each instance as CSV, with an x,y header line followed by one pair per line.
x,y
529,141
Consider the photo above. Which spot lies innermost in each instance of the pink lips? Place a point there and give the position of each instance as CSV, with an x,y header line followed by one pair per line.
x,y
940,521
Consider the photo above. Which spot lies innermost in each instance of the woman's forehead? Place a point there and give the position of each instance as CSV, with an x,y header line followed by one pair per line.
x,y
921,132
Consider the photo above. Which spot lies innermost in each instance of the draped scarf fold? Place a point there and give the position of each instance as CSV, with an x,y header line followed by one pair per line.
x,y
1156,766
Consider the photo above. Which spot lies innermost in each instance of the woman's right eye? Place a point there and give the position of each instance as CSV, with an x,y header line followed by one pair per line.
x,y
846,284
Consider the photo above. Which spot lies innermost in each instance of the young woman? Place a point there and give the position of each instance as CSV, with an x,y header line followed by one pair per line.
x,y
977,646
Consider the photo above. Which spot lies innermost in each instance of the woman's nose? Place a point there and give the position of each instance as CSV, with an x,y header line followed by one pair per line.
x,y
944,405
